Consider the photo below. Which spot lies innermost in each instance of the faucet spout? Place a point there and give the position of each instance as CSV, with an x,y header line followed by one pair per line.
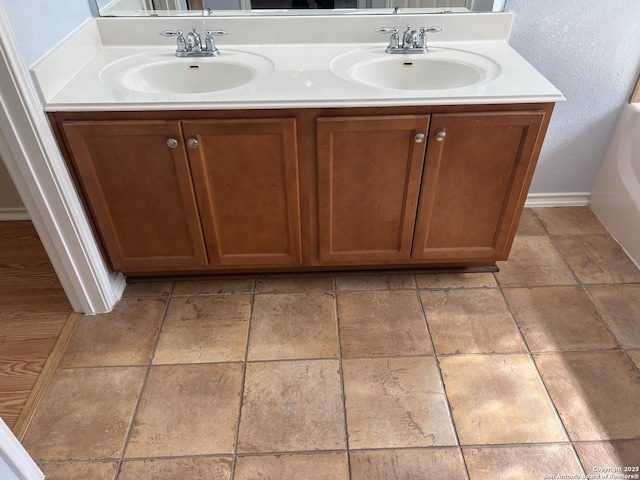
x,y
192,46
194,43
412,40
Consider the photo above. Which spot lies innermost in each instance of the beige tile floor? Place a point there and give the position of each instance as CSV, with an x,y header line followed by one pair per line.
x,y
529,372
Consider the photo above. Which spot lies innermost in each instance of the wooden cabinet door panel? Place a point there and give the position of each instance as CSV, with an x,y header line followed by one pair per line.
x,y
369,172
473,182
246,178
140,192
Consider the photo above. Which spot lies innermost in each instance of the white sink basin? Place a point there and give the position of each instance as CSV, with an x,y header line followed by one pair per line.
x,y
164,73
441,68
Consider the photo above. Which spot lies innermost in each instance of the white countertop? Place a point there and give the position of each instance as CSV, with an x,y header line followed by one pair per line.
x,y
301,78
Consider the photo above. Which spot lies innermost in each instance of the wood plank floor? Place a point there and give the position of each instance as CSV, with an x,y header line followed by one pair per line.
x,y
33,312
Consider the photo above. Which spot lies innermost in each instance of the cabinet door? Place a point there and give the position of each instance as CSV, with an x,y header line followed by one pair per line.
x,y
140,192
246,177
474,184
369,172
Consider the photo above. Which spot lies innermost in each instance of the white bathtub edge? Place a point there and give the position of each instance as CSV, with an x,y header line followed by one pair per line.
x,y
616,189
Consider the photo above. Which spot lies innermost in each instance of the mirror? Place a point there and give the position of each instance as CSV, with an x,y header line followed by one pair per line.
x,y
128,8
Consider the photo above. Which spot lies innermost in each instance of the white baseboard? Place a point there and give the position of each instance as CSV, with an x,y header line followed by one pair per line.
x,y
577,199
9,214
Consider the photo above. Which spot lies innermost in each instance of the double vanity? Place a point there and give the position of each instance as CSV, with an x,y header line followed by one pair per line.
x,y
281,155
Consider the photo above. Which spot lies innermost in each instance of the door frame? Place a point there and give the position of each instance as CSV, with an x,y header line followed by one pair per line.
x,y
38,170
13,454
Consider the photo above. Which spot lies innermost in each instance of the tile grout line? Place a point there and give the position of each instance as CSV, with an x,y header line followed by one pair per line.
x,y
234,461
600,314
552,285
575,274
442,385
495,445
544,228
584,290
555,248
513,318
356,357
581,234
534,352
539,375
603,317
127,438
271,453
609,440
341,371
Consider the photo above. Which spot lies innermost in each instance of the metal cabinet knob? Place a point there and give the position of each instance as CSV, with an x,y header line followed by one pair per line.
x,y
419,138
172,143
440,136
192,142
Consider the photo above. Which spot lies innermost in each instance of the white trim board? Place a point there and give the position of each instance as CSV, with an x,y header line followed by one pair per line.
x,y
36,166
10,214
577,199
15,457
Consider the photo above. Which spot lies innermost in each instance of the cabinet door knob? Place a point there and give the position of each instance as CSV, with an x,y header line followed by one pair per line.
x,y
193,143
419,138
172,143
440,136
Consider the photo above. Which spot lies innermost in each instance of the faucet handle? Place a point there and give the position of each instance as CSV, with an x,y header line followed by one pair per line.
x,y
210,44
216,33
422,39
180,41
394,41
171,33
433,29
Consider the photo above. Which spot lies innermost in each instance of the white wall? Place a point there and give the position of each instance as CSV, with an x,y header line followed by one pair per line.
x,y
590,50
9,198
39,25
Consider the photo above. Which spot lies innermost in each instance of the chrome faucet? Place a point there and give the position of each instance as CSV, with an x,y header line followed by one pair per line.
x,y
191,45
413,41
193,41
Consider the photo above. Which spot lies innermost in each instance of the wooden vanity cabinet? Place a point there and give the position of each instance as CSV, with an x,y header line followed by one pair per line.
x,y
369,171
304,189
246,178
440,189
174,196
140,192
474,184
